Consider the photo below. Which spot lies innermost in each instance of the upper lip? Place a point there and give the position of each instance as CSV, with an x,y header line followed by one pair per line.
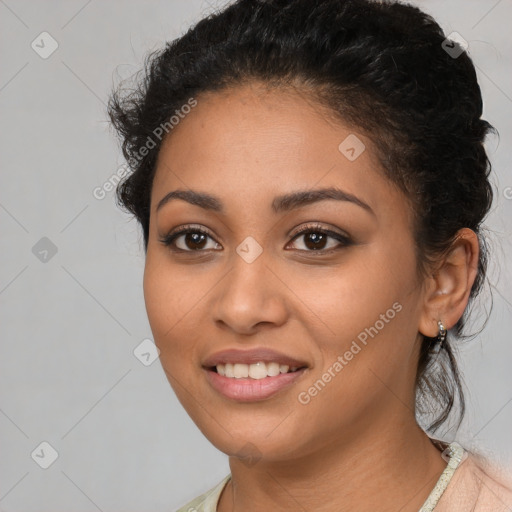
x,y
255,355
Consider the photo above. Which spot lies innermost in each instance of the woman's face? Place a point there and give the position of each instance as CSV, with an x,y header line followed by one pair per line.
x,y
341,302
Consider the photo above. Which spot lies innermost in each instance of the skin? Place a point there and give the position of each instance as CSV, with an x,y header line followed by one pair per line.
x,y
355,446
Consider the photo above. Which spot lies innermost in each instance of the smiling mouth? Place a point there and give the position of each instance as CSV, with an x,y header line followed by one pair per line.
x,y
256,371
253,382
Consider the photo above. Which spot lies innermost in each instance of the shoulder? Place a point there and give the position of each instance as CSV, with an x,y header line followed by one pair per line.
x,y
479,487
207,502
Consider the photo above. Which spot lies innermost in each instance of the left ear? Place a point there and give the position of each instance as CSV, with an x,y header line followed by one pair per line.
x,y
448,288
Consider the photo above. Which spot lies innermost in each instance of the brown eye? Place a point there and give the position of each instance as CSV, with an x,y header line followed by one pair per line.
x,y
195,240
315,241
189,240
319,239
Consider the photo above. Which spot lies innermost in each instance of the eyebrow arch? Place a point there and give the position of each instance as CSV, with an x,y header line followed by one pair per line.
x,y
281,203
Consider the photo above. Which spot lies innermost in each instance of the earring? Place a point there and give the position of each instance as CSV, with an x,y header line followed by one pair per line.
x,y
442,333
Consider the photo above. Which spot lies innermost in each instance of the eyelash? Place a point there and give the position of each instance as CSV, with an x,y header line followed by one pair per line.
x,y
344,240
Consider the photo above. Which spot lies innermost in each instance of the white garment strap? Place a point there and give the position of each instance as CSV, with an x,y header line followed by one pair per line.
x,y
456,454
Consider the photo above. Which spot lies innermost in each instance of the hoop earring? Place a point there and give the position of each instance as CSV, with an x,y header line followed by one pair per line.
x,y
441,337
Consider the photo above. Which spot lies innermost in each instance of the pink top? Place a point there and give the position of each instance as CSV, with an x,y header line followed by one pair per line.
x,y
473,489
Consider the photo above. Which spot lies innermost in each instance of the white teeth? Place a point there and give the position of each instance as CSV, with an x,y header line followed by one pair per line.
x,y
273,369
229,370
258,370
241,371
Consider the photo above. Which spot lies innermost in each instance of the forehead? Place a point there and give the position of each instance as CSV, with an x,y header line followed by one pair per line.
x,y
251,142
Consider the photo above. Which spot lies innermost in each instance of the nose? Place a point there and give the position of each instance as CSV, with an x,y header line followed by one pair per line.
x,y
251,296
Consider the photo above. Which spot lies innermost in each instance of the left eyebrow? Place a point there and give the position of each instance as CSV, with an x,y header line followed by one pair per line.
x,y
283,203
302,198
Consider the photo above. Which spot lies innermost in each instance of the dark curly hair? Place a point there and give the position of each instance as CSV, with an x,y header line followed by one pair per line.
x,y
378,66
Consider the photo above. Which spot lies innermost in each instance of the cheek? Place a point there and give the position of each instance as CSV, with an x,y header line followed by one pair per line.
x,y
365,313
347,299
170,299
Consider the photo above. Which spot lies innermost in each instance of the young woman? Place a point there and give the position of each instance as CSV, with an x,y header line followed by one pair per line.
x,y
311,181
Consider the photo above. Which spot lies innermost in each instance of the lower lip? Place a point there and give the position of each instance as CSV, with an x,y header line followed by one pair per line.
x,y
251,390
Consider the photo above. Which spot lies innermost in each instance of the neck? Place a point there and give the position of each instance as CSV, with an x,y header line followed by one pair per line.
x,y
359,471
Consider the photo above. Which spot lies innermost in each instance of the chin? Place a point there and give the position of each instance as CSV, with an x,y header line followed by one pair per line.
x,y
254,436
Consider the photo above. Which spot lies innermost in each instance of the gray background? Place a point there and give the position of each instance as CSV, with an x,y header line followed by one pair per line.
x,y
70,323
